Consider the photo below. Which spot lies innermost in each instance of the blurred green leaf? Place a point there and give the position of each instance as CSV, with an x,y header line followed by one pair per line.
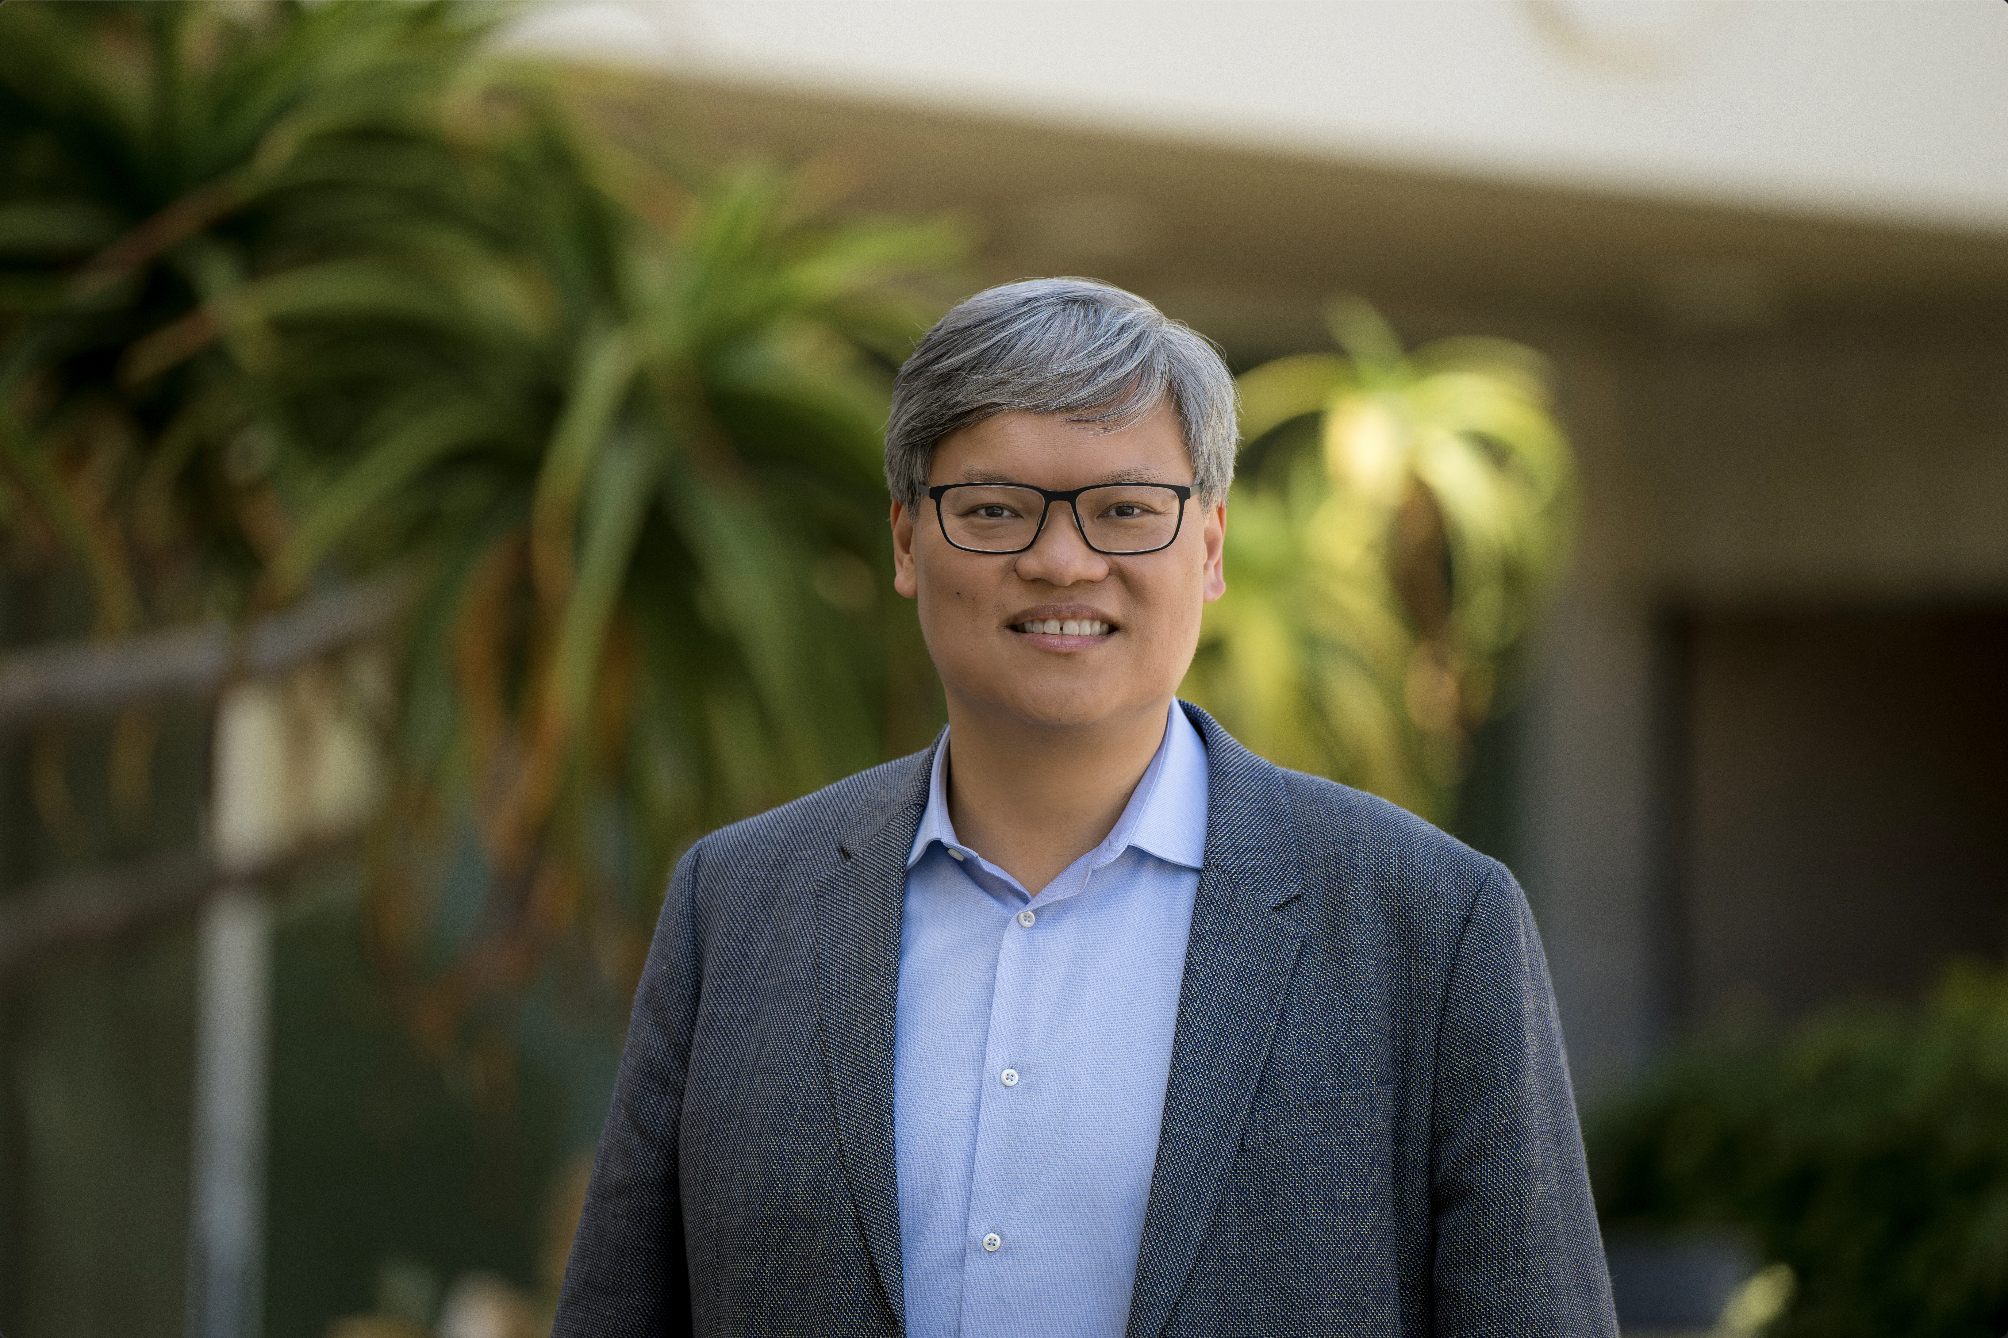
x,y
1384,572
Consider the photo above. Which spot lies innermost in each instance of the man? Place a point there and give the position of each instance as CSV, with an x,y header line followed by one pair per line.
x,y
1086,1021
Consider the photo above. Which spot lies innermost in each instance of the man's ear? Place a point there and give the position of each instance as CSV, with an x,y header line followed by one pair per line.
x,y
904,578
1214,574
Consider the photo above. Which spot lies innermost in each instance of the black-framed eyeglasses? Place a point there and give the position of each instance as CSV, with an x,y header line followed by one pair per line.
x,y
1119,519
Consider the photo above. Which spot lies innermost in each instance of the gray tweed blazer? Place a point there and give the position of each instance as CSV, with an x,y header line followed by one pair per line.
x,y
1367,1128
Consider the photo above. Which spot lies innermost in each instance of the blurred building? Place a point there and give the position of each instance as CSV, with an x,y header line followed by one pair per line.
x,y
1767,247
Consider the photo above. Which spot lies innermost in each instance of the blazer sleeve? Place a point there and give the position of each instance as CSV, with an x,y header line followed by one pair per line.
x,y
628,1276
1517,1245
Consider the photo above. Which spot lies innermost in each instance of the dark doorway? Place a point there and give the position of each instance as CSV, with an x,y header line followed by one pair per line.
x,y
1845,826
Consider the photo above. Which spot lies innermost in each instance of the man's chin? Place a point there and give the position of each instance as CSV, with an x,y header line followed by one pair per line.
x,y
1071,708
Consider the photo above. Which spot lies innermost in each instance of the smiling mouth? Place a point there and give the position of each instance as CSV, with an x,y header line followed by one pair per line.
x,y
1064,627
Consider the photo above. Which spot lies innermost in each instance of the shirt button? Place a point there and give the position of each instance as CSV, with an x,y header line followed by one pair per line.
x,y
1009,1077
956,855
993,1242
1026,918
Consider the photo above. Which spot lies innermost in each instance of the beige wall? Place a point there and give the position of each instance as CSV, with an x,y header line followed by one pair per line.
x,y
1887,108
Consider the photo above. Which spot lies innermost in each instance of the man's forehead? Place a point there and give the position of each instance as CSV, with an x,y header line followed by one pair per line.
x,y
979,472
1009,446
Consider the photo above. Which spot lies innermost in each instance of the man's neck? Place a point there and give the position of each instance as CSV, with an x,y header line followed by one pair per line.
x,y
1032,800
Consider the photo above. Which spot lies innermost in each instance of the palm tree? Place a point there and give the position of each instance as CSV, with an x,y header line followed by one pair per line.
x,y
1399,523
293,294
648,499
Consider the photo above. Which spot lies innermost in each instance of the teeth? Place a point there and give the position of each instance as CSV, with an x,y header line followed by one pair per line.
x,y
1069,627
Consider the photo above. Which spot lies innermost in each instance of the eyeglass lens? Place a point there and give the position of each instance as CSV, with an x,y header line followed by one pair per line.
x,y
1004,518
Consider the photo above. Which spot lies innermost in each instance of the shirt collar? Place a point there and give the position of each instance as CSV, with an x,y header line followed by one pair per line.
x,y
1166,813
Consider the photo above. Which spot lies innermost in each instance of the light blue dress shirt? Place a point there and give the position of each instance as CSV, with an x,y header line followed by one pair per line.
x,y
1032,1047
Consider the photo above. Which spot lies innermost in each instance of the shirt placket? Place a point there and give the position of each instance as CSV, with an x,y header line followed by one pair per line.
x,y
999,1232
994,1234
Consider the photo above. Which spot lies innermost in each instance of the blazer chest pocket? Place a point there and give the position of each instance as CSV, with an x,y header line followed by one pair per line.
x,y
1318,1113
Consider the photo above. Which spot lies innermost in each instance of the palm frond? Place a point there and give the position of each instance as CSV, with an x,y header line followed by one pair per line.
x,y
1384,574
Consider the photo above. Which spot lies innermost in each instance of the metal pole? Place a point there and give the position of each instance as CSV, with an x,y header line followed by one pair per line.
x,y
292,764
254,808
227,1248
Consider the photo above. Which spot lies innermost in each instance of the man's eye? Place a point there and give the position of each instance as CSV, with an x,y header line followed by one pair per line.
x,y
992,511
1125,511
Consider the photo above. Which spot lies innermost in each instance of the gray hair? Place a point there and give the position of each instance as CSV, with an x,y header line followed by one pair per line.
x,y
1060,346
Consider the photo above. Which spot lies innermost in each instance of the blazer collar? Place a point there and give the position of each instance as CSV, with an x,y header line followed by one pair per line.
x,y
859,899
1238,963
1250,829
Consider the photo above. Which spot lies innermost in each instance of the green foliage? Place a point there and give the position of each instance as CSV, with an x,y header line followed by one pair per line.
x,y
1385,566
299,292
1867,1149
163,167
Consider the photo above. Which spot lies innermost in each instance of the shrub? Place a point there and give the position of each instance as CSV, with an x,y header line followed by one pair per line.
x,y
1866,1148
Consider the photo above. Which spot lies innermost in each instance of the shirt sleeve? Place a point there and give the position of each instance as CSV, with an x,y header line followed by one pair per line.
x,y
628,1276
1517,1245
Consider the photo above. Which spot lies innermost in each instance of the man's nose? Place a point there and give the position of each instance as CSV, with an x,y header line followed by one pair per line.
x,y
1060,556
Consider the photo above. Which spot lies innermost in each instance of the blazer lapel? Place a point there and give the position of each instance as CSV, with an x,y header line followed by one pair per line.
x,y
1238,966
858,908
